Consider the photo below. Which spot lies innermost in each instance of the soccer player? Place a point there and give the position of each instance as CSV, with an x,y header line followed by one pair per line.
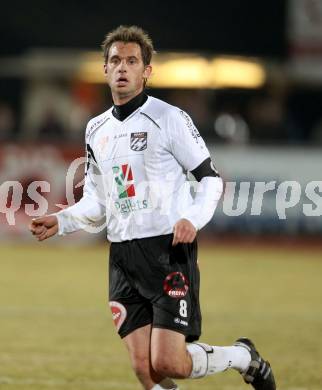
x,y
139,152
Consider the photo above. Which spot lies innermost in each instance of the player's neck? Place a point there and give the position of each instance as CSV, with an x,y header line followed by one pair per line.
x,y
122,111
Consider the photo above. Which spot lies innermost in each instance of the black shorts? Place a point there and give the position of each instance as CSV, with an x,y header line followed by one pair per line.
x,y
153,282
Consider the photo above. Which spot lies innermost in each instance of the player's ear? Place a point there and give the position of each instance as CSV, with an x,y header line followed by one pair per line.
x,y
105,69
147,72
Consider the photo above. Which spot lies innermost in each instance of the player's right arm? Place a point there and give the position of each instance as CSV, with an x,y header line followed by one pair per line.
x,y
91,207
87,212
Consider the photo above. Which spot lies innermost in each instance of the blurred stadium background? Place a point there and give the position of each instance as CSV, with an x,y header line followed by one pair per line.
x,y
250,75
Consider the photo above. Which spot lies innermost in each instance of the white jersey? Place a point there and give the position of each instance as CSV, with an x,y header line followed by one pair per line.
x,y
137,174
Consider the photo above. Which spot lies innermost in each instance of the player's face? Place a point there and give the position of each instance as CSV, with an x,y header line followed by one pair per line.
x,y
125,71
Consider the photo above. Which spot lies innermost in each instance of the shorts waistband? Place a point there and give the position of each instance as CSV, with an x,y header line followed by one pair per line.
x,y
152,238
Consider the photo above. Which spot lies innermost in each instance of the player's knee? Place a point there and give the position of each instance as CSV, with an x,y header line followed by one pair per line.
x,y
166,367
141,366
161,366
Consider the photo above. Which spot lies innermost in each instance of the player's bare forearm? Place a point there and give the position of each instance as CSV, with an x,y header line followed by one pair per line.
x,y
44,227
183,232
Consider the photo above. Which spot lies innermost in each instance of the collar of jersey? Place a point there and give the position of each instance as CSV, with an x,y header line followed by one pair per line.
x,y
111,116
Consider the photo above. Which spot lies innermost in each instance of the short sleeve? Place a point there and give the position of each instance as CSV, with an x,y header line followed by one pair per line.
x,y
186,143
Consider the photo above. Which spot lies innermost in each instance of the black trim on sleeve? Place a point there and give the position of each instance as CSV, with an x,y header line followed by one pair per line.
x,y
206,168
90,154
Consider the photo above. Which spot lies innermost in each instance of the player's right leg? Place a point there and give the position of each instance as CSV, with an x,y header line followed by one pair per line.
x,y
132,315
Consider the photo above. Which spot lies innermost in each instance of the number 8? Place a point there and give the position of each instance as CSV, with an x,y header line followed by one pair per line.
x,y
183,308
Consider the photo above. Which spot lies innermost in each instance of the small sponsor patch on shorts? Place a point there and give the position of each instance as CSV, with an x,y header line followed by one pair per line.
x,y
118,313
176,285
180,321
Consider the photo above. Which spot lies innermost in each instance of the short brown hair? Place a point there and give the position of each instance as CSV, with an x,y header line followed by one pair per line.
x,y
129,34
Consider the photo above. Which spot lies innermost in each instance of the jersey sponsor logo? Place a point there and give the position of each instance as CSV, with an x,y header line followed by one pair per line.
x,y
102,143
176,285
122,135
128,206
124,180
180,321
119,313
139,141
123,177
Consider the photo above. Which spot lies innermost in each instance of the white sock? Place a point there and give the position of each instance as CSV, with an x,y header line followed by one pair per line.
x,y
207,359
167,384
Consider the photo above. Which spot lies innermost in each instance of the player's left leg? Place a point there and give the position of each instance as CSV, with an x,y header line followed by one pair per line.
x,y
170,356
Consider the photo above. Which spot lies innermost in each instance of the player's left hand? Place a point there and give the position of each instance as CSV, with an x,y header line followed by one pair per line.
x,y
183,232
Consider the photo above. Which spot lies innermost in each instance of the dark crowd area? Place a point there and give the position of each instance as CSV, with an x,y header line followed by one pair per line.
x,y
268,115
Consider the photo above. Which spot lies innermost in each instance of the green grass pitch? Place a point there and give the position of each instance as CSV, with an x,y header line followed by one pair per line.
x,y
56,330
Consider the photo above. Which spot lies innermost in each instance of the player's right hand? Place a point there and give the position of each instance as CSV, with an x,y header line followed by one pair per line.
x,y
44,227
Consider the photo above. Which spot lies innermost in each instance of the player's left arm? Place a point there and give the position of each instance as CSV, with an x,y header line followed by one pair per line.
x,y
190,150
